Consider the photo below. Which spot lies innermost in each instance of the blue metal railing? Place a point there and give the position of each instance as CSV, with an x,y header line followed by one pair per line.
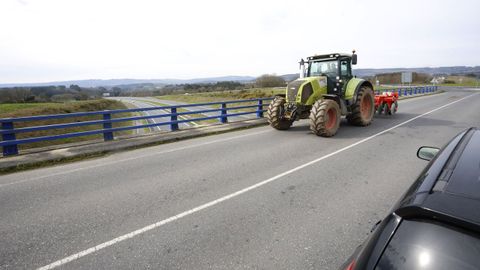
x,y
409,91
10,144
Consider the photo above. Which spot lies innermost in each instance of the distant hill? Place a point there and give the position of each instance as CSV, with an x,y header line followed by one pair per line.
x,y
117,82
243,79
368,72
428,70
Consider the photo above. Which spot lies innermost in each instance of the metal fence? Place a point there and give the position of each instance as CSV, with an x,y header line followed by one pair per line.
x,y
409,91
10,144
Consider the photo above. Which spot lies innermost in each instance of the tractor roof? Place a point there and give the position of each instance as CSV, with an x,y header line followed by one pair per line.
x,y
329,56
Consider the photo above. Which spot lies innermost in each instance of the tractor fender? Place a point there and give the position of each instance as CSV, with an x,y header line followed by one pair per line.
x,y
352,89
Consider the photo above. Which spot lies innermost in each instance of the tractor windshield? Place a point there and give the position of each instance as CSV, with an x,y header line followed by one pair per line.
x,y
323,68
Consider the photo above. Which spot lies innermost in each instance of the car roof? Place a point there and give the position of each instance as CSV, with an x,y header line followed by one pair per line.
x,y
449,188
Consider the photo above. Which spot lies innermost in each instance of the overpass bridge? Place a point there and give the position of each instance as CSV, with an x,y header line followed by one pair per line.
x,y
256,198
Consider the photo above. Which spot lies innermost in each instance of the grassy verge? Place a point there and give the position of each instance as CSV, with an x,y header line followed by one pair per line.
x,y
26,109
458,80
384,87
225,95
188,116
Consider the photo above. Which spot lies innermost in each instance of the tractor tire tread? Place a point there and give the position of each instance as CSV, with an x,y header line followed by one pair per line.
x,y
355,117
274,117
318,119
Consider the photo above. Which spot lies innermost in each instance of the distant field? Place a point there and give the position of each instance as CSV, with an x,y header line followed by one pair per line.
x,y
384,87
461,81
225,95
15,107
189,116
30,109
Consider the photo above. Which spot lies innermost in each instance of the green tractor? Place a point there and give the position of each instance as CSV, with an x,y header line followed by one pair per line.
x,y
325,91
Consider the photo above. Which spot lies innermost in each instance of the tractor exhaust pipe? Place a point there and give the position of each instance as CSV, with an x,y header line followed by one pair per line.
x,y
302,68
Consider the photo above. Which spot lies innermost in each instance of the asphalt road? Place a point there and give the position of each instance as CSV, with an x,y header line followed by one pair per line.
x,y
253,199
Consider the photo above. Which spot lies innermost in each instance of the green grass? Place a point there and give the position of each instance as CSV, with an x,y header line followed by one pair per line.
x,y
462,81
13,107
189,116
33,109
225,95
384,87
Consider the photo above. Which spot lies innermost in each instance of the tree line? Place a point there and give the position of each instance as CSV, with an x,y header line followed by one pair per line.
x,y
396,78
61,93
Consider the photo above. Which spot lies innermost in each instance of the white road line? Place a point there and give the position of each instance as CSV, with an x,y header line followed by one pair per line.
x,y
134,158
227,197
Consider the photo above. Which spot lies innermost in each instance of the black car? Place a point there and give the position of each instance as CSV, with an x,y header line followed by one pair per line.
x,y
436,224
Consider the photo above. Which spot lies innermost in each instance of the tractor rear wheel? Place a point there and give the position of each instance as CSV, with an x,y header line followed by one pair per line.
x,y
325,117
275,113
363,108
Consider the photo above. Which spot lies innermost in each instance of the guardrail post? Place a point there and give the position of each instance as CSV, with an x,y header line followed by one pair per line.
x,y
173,119
260,109
107,136
9,150
223,117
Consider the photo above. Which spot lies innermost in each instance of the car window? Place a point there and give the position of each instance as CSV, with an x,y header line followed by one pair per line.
x,y
430,245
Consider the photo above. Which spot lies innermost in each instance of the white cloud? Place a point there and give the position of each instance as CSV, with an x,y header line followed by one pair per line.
x,y
44,40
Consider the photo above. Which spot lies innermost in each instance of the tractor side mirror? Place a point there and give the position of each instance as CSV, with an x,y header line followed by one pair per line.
x,y
354,59
302,68
427,152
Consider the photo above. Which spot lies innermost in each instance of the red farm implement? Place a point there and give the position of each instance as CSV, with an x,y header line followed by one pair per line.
x,y
386,102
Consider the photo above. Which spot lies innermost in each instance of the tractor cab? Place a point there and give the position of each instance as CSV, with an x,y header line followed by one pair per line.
x,y
336,67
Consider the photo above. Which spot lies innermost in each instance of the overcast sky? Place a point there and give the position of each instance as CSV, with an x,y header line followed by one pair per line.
x,y
49,40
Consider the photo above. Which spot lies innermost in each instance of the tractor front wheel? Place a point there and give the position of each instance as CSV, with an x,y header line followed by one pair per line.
x,y
275,114
363,108
325,118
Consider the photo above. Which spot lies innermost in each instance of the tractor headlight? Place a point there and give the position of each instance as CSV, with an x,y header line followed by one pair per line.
x,y
338,78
